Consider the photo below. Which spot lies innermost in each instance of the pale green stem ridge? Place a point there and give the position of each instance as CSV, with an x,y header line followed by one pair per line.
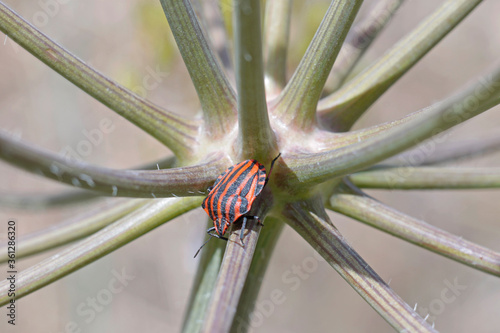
x,y
358,40
172,130
276,38
217,98
297,103
378,215
231,280
426,178
476,98
185,181
97,246
340,110
256,137
318,231
72,229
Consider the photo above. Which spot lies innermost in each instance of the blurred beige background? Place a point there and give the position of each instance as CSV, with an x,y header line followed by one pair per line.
x,y
127,40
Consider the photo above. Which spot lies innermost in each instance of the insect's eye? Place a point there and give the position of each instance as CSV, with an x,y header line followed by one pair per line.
x,y
210,189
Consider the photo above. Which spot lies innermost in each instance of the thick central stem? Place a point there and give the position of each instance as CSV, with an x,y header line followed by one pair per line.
x,y
256,138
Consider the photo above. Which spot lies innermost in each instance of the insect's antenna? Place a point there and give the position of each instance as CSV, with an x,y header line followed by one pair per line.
x,y
271,168
208,240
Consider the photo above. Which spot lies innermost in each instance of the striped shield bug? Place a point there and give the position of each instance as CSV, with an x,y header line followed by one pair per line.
x,y
232,196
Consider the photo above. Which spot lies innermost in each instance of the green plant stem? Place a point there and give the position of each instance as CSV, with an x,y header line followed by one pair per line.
x,y
204,284
340,110
276,38
427,178
318,231
265,247
71,230
212,22
256,138
231,280
185,181
432,153
378,215
43,201
172,130
297,103
474,99
217,98
358,40
98,245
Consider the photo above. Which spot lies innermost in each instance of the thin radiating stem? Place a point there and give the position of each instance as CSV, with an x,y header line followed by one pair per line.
x,y
420,178
204,283
172,130
185,181
276,38
297,103
217,98
389,220
265,246
72,229
315,227
340,110
96,246
45,200
232,275
472,100
359,39
439,152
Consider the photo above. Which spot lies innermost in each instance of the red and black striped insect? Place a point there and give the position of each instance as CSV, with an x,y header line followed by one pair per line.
x,y
233,194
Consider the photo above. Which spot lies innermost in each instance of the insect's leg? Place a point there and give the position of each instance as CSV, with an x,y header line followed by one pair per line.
x,y
244,224
242,230
255,218
211,233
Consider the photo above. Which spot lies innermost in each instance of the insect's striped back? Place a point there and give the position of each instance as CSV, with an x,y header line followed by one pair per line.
x,y
234,192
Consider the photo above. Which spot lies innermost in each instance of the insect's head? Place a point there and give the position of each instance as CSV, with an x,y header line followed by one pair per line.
x,y
220,225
